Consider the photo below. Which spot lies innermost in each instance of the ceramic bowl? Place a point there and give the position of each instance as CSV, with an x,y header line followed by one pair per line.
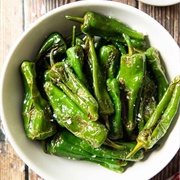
x,y
51,167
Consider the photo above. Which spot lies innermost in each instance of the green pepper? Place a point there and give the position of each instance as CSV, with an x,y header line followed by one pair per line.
x,y
109,59
75,58
99,86
109,152
131,74
157,126
36,112
69,115
120,46
65,144
54,40
154,65
96,24
148,103
62,76
115,121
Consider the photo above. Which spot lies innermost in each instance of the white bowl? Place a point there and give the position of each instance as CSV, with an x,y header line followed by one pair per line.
x,y
52,167
160,2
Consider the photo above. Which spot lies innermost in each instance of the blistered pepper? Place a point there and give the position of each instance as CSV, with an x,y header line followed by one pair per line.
x,y
99,86
131,75
96,24
65,144
109,59
53,41
36,112
109,152
115,120
75,58
158,124
69,115
155,66
62,75
148,101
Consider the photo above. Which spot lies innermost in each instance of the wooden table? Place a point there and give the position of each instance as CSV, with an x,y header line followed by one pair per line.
x,y
15,17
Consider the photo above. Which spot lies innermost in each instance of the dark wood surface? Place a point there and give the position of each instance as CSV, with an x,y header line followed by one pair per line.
x,y
15,17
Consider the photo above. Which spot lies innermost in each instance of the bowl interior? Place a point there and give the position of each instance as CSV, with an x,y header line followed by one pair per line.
x,y
51,167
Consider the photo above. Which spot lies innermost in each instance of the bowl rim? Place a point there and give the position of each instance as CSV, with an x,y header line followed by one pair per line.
x,y
34,24
160,2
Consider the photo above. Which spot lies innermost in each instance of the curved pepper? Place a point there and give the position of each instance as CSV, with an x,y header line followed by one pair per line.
x,y
109,59
157,126
69,115
54,40
99,86
65,144
96,24
75,58
37,115
62,76
115,121
154,64
131,74
148,103
109,152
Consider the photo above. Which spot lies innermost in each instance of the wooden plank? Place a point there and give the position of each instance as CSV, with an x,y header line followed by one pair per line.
x,y
11,166
10,16
170,20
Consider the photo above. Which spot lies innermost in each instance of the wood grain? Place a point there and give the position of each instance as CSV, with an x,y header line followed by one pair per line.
x,y
17,17
11,26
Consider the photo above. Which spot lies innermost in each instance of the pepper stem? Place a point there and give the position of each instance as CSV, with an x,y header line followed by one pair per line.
x,y
76,19
138,146
52,57
114,145
73,36
129,44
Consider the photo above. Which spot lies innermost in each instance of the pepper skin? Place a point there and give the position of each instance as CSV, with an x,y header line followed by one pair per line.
x,y
131,74
148,101
69,115
54,40
109,152
65,144
109,28
115,120
62,75
99,86
37,115
155,66
109,58
157,126
75,58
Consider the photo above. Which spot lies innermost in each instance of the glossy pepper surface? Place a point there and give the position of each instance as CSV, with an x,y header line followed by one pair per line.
x,y
75,58
148,101
161,119
99,86
62,75
109,58
155,65
115,120
109,28
37,115
65,144
69,115
53,41
132,71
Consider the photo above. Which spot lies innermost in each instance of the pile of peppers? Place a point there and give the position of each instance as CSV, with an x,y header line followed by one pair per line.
x,y
100,95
